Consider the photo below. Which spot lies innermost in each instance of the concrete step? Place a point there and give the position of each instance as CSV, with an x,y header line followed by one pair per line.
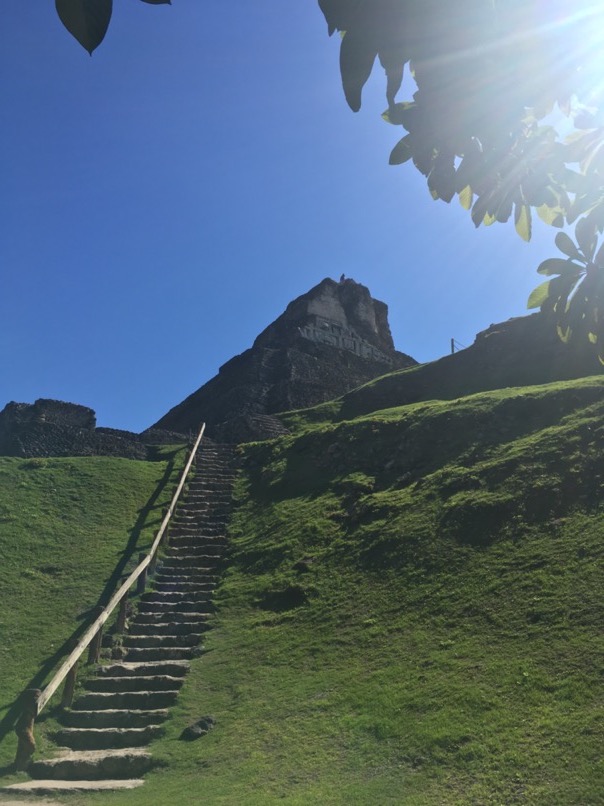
x,y
159,682
93,765
138,700
50,787
113,718
107,738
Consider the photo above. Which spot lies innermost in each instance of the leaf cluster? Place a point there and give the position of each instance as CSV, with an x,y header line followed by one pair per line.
x,y
491,77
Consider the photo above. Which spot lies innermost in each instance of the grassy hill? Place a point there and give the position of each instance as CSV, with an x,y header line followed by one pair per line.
x,y
411,613
68,529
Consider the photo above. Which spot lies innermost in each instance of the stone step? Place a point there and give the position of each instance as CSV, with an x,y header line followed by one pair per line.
x,y
173,628
169,667
93,765
113,718
49,787
208,500
138,700
186,575
148,641
163,610
198,618
167,597
194,549
161,653
195,534
107,738
184,587
120,683
209,527
204,562
199,532
213,514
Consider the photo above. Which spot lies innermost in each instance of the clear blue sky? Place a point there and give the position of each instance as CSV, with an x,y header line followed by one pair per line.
x,y
165,199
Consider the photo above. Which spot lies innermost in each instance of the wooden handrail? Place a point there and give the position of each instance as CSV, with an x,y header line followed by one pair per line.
x,y
97,625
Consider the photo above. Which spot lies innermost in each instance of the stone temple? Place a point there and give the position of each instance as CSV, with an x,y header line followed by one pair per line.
x,y
326,342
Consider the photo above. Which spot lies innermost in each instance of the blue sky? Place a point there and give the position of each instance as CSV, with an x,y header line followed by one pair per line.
x,y
164,200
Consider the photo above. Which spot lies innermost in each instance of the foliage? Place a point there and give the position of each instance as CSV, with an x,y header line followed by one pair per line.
x,y
88,20
497,83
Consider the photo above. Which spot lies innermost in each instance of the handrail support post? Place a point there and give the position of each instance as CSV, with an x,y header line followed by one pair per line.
x,y
94,650
24,728
69,688
141,583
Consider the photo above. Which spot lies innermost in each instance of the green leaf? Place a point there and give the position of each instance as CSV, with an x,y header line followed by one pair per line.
x,y
555,265
395,114
593,338
554,216
357,55
563,333
86,20
489,219
566,246
538,295
401,151
587,237
522,217
466,197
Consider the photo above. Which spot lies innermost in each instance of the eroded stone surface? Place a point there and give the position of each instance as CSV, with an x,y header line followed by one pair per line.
x,y
328,341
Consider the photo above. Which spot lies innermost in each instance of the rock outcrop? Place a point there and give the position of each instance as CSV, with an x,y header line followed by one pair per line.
x,y
327,342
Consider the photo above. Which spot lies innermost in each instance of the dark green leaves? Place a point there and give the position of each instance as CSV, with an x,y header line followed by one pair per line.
x,y
538,295
357,55
402,151
86,20
565,245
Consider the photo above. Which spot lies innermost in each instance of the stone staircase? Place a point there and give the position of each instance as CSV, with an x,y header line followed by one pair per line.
x,y
105,733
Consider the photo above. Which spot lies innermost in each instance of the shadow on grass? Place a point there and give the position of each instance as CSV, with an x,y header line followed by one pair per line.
x,y
8,721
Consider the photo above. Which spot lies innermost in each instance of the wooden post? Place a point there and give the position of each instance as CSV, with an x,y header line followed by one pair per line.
x,y
152,564
142,580
69,687
94,649
25,728
452,346
120,624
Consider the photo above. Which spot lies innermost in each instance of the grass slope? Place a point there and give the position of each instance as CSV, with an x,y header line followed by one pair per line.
x,y
411,614
68,529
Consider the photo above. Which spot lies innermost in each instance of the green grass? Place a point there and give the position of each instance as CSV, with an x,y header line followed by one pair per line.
x,y
411,614
68,530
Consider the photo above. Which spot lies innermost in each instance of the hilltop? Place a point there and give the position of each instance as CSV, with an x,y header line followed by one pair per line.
x,y
411,609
